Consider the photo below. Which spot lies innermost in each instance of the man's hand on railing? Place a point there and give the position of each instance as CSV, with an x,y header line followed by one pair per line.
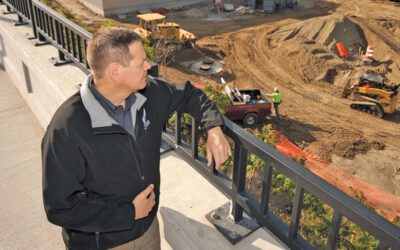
x,y
218,148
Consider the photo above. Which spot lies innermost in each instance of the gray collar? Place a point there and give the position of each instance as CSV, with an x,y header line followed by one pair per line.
x,y
98,115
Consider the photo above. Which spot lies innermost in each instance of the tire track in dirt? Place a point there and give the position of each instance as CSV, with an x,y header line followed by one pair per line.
x,y
250,58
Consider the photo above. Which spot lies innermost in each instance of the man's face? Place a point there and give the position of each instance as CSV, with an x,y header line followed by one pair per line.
x,y
134,76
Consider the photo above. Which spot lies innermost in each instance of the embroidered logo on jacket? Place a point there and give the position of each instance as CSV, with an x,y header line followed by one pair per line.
x,y
146,122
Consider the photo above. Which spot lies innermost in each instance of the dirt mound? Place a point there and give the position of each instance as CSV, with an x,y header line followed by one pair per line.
x,y
194,13
346,144
326,31
311,47
308,50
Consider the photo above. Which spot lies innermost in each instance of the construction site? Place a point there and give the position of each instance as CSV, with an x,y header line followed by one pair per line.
x,y
320,56
310,90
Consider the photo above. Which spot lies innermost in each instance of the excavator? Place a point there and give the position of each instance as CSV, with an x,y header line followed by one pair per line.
x,y
371,94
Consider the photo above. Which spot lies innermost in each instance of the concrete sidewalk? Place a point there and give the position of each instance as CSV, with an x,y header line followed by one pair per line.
x,y
23,223
185,195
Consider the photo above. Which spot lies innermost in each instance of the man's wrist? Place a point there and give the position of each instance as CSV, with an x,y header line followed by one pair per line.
x,y
215,129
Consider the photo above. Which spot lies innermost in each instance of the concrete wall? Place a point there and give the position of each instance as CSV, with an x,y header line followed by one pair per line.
x,y
306,4
43,86
109,7
94,5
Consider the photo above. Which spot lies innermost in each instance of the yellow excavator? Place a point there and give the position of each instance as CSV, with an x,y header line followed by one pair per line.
x,y
371,94
154,28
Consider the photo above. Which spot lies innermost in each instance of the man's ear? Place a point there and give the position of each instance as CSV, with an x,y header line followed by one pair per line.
x,y
113,71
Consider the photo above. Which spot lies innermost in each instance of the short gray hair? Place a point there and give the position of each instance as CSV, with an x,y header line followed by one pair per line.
x,y
110,45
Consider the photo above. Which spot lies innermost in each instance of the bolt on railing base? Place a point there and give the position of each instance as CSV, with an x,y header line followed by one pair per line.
x,y
233,232
58,62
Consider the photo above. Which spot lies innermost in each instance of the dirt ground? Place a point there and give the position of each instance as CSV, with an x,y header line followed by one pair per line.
x,y
294,50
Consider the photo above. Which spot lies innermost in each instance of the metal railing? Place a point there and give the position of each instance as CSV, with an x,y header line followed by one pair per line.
x,y
48,26
71,41
245,143
69,38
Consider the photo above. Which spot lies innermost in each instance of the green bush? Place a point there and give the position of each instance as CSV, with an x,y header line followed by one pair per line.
x,y
107,24
150,51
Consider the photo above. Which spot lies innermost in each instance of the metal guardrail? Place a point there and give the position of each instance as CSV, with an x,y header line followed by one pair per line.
x,y
245,143
51,27
69,38
71,41
48,26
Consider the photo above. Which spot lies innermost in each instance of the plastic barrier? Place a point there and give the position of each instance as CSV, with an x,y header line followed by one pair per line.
x,y
375,197
342,50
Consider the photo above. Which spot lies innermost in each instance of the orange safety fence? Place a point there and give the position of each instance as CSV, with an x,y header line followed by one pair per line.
x,y
386,203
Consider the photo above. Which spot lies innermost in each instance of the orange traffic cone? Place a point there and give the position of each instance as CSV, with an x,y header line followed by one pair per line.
x,y
369,55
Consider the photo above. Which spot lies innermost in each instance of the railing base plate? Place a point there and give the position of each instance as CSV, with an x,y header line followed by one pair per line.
x,y
38,43
6,12
165,147
17,23
57,62
233,232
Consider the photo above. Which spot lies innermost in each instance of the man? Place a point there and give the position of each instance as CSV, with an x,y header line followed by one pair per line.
x,y
218,6
101,176
277,4
259,5
277,100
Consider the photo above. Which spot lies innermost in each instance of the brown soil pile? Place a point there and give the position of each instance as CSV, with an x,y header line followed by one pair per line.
x,y
346,144
311,46
313,57
326,31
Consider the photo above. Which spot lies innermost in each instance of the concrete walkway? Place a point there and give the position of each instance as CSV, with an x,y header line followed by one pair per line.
x,y
186,195
23,222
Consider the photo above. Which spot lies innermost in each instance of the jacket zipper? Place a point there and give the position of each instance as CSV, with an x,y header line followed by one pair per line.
x,y
98,239
131,142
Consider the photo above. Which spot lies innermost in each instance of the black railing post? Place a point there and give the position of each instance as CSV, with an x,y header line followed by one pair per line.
x,y
20,21
61,56
266,187
9,10
41,40
296,212
195,139
178,129
238,179
61,60
334,230
33,20
79,43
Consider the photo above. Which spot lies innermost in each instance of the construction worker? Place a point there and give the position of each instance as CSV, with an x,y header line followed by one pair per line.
x,y
277,100
259,5
218,6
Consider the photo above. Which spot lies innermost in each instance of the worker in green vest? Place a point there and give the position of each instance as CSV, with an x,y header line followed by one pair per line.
x,y
277,100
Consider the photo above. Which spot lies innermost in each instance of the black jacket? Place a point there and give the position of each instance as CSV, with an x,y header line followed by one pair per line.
x,y
93,168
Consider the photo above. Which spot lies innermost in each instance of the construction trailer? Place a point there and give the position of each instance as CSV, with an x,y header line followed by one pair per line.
x,y
112,8
270,6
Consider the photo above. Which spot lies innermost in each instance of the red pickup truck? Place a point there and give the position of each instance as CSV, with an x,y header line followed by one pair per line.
x,y
249,106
